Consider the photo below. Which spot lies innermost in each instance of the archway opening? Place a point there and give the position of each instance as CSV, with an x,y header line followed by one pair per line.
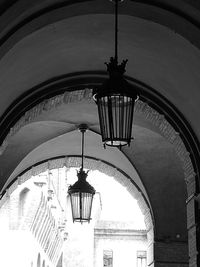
x,y
47,225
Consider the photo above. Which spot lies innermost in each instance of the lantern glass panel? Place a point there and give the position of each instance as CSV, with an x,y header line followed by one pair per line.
x,y
75,205
116,116
81,204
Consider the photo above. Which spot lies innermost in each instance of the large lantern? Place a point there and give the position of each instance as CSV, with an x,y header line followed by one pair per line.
x,y
115,100
81,192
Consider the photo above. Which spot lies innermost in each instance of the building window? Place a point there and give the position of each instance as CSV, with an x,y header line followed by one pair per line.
x,y
23,201
38,260
141,258
107,258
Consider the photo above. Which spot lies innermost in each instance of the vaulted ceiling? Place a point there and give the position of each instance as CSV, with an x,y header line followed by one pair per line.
x,y
42,41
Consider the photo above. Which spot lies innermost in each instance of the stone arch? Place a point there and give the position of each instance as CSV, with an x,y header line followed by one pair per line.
x,y
157,119
185,146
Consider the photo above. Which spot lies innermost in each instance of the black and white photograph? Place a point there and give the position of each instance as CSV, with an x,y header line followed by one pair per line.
x,y
100,133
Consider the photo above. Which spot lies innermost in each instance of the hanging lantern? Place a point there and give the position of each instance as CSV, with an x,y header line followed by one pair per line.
x,y
81,196
115,100
81,192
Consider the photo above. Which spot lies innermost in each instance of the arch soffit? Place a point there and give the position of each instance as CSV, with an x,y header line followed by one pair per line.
x,y
35,16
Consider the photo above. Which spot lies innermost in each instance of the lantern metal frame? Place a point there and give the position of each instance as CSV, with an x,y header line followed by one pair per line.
x,y
81,192
115,100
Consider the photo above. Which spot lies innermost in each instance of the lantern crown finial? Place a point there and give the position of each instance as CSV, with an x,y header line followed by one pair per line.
x,y
114,68
82,175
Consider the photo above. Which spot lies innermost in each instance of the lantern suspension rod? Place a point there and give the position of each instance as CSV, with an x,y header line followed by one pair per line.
x,y
82,129
116,30
82,149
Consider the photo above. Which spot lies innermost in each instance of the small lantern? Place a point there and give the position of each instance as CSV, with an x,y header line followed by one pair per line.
x,y
81,192
81,196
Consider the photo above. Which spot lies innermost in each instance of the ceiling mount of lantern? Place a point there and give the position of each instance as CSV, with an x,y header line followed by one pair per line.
x,y
81,192
115,100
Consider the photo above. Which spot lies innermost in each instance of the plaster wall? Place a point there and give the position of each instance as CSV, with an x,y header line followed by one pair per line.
x,y
124,247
